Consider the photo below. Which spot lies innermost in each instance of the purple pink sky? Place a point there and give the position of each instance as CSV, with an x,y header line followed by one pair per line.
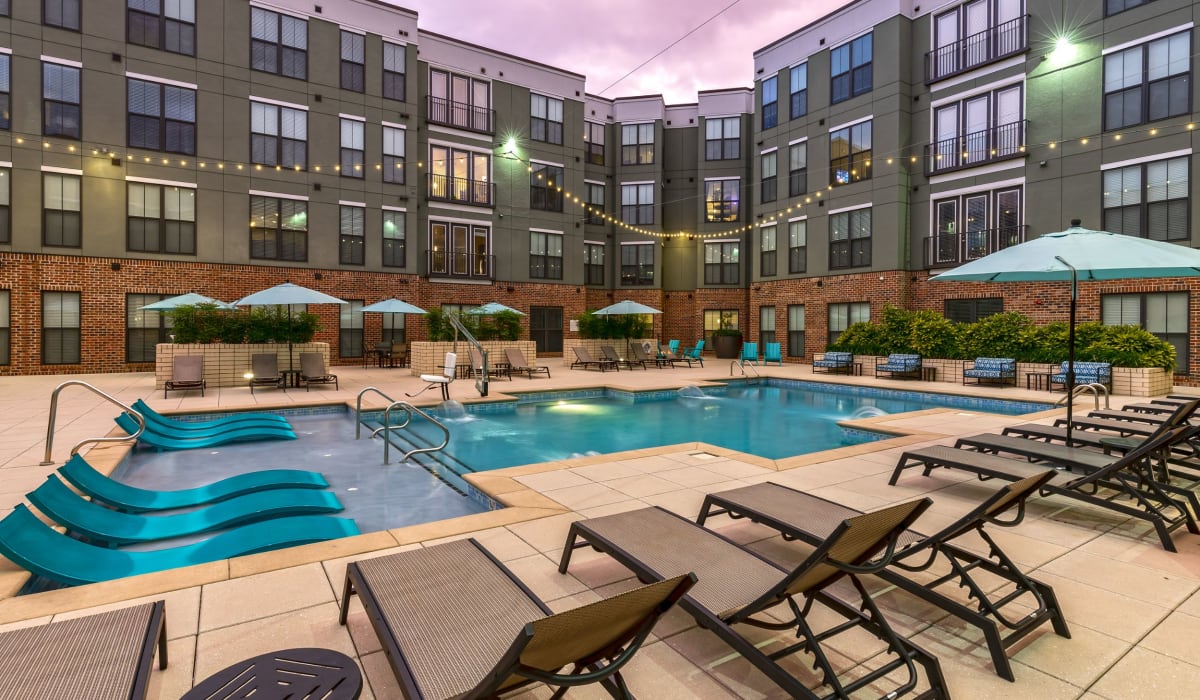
x,y
605,39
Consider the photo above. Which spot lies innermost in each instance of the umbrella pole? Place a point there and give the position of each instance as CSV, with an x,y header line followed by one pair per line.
x,y
1071,348
291,362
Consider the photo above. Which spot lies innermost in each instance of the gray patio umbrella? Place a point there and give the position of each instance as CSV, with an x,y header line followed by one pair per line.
x,y
287,294
491,309
1074,254
625,308
189,299
393,306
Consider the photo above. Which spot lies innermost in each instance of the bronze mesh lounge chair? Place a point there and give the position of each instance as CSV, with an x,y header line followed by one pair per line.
x,y
610,353
495,370
187,372
456,623
798,515
518,363
734,585
106,656
641,354
265,367
584,359
312,370
1180,414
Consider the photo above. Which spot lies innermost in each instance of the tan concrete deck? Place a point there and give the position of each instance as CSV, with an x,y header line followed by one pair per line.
x,y
1133,608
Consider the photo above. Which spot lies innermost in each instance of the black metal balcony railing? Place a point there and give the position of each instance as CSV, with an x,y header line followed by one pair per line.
x,y
947,250
459,190
992,44
993,144
462,115
441,263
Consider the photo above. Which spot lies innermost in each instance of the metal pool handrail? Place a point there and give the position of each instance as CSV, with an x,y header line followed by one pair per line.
x,y
742,366
358,409
46,461
1096,390
409,409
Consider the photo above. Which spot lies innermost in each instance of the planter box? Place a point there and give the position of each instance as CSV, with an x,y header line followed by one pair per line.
x,y
427,357
225,365
593,347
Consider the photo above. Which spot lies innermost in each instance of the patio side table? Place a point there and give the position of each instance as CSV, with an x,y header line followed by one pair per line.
x,y
279,675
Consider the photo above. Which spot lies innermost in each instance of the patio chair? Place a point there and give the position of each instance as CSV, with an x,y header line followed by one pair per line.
x,y
382,353
901,366
443,380
495,370
1085,373
187,372
998,370
265,368
641,353
749,353
735,585
773,352
165,439
673,347
399,354
517,363
1015,609
1181,413
312,370
834,362
456,623
108,654
610,354
584,359
693,354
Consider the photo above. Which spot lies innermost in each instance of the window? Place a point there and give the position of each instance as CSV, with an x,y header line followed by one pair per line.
x,y
980,129
850,154
352,242
798,77
278,135
61,13
721,262
144,329
61,225
721,200
393,330
5,9
1163,314
973,225
354,61
637,264
60,328
5,92
722,138
637,203
350,329
715,319
797,169
594,199
459,175
850,239
162,117
797,246
1149,82
850,70
459,249
5,327
278,229
1112,7
169,25
545,186
353,151
278,43
5,205
393,155
459,100
766,326
767,250
770,103
593,263
637,144
545,255
767,189
842,316
1149,200
394,228
972,310
593,139
161,219
395,69
60,101
973,34
795,330
546,119
546,328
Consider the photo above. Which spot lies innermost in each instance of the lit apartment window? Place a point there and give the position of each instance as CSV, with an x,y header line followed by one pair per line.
x,y
767,186
637,204
169,25
767,251
462,176
593,139
60,328
395,68
354,59
850,239
545,186
593,194
850,69
766,325
61,13
721,261
278,135
850,154
972,310
352,240
61,224
5,205
144,329
278,43
976,224
545,255
278,229
394,229
722,138
393,155
797,169
637,144
770,103
353,152
979,129
842,316
637,264
461,101
1112,7
797,247
161,117
161,219
459,249
1149,200
60,101
1163,314
798,78
545,119
5,327
350,329
715,319
593,264
1149,82
5,92
795,330
721,200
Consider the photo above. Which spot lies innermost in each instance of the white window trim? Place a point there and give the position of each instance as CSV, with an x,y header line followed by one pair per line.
x,y
352,117
1146,159
978,72
637,243
768,151
594,182
5,164
62,171
546,162
798,218
278,103
462,147
545,230
279,10
802,139
438,218
352,30
167,183
638,182
722,240
348,203
981,90
395,42
721,179
839,127
393,125
855,207
161,81
4,50
61,61
1148,38
388,207
586,241
278,195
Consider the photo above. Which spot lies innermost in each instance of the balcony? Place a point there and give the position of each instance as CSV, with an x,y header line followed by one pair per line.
x,y
992,44
994,144
948,250
460,115
459,190
460,265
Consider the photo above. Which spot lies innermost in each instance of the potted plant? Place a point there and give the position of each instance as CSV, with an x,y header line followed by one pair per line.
x,y
727,340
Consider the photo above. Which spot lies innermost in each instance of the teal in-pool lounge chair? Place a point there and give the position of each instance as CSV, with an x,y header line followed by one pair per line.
x,y
38,548
180,441
153,417
105,526
773,352
155,425
132,499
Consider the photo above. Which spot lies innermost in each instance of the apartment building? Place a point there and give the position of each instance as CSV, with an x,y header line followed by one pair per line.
x,y
152,148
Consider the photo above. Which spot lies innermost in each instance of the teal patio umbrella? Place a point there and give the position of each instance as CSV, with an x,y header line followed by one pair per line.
x,y
1079,254
189,299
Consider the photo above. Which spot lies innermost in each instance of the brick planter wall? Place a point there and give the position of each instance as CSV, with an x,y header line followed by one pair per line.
x,y
226,365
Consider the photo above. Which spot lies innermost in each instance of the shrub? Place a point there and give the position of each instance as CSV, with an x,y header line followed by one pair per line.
x,y
623,326
505,325
205,323
1003,334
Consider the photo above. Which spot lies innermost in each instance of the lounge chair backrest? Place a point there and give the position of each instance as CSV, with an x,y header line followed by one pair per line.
x,y
694,353
1012,495
640,354
312,364
582,354
1148,448
673,346
476,360
609,352
750,351
773,351
515,357
265,365
187,368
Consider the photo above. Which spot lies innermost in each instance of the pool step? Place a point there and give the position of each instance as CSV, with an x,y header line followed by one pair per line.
x,y
441,465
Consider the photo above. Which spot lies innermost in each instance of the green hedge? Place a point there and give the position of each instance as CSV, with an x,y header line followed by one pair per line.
x,y
929,334
205,323
621,326
505,325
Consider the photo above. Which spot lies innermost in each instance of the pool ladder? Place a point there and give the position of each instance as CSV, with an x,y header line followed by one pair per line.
x,y
47,461
387,426
1095,389
738,364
